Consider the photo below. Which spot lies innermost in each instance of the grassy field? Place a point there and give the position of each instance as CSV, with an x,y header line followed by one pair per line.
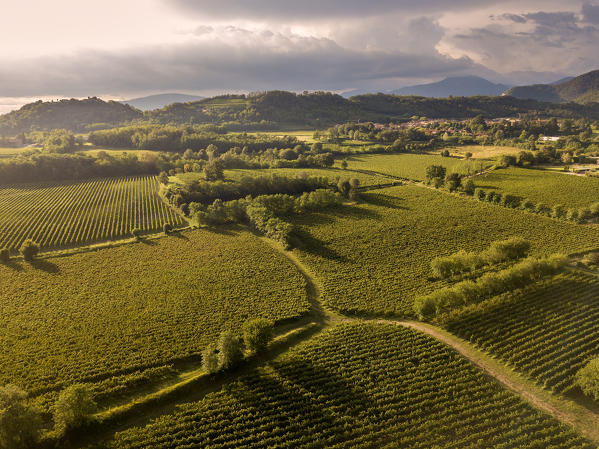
x,y
484,151
412,166
358,386
75,213
375,257
302,135
542,186
547,332
98,315
332,174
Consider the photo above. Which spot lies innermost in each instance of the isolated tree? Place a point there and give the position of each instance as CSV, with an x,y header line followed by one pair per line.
x,y
210,361
288,154
4,255
344,164
257,334
167,228
317,147
453,181
29,249
74,407
435,171
214,171
20,423
480,194
229,350
344,187
445,153
469,187
136,232
163,177
468,155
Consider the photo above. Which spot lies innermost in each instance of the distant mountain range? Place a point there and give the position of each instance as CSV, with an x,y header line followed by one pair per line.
x,y
458,86
581,89
159,101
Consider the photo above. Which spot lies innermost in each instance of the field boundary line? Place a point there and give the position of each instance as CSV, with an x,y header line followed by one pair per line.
x,y
583,420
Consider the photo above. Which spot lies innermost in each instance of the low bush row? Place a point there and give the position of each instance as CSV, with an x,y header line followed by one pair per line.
x,y
462,261
558,211
491,284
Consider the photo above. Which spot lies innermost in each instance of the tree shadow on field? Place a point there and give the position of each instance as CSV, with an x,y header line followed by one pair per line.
x,y
45,265
148,242
302,396
306,242
13,265
179,235
379,199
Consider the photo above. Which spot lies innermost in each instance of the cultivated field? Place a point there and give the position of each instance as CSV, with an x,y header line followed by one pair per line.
x,y
359,385
375,257
96,315
548,332
484,151
75,213
542,186
411,166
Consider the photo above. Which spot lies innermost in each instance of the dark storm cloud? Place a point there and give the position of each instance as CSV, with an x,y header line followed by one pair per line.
x,y
246,61
591,13
563,42
294,10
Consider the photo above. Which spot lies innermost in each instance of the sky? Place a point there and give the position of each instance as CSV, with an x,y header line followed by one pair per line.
x,y
119,49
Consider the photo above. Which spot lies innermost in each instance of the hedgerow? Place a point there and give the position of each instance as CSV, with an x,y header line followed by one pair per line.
x,y
460,262
490,284
374,257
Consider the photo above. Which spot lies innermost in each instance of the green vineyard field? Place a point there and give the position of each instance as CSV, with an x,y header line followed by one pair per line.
x,y
548,332
91,316
542,186
411,166
75,213
375,257
358,386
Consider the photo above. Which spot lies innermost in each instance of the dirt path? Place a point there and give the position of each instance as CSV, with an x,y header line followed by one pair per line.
x,y
568,412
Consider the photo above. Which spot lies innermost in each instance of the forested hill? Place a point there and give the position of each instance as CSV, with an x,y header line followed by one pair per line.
x,y
582,89
74,115
324,109
277,110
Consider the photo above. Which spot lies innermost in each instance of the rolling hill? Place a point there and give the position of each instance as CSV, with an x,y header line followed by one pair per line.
x,y
460,86
74,115
582,89
160,100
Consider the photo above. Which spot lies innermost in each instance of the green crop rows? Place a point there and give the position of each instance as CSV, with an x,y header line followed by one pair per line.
x,y
92,316
542,186
72,213
375,257
548,332
360,385
411,166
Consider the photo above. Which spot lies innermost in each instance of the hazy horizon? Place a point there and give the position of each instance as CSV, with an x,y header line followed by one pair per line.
x,y
201,48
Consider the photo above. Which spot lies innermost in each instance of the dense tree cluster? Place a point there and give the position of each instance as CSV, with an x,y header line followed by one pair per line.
x,y
205,192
